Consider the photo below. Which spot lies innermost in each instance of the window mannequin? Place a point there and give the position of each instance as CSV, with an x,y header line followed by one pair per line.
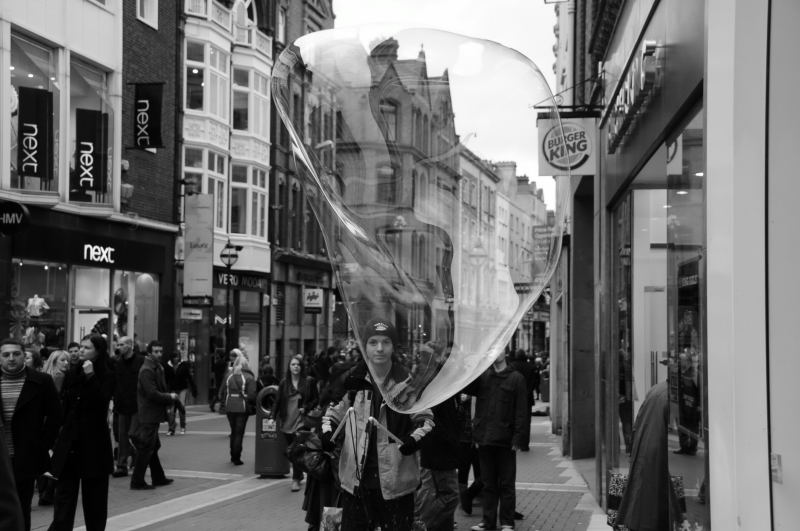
x,y
37,306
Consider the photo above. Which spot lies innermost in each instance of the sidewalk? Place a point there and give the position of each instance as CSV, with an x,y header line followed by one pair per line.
x,y
551,494
210,493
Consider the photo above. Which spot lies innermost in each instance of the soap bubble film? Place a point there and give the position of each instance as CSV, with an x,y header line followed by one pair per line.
x,y
415,195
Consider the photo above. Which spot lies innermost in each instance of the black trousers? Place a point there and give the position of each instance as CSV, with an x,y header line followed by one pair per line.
x,y
238,424
25,486
468,457
499,474
145,438
94,495
369,510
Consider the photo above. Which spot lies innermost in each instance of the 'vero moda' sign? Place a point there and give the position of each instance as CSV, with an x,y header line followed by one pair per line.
x,y
567,145
91,128
147,114
35,134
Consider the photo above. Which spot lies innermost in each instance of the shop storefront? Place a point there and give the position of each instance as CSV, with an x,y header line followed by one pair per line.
x,y
66,276
302,311
652,310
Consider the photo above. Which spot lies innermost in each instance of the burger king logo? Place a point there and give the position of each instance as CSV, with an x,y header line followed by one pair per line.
x,y
566,147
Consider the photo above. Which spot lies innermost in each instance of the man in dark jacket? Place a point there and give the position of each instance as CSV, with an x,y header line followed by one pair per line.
x,y
31,419
10,510
501,417
152,402
526,369
179,381
126,371
437,496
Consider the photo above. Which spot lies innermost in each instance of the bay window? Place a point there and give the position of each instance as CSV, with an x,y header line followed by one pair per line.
x,y
209,168
248,200
250,102
207,72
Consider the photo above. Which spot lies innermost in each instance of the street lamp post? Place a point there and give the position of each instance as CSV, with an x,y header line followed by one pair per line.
x,y
229,256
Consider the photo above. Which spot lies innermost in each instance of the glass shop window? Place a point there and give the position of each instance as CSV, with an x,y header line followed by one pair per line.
x,y
39,292
135,305
35,97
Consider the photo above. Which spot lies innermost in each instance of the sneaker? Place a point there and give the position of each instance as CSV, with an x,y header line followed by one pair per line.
x,y
506,528
171,433
119,472
183,431
518,515
295,485
480,527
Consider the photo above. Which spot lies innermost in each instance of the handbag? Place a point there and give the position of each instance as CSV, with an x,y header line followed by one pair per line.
x,y
307,454
618,481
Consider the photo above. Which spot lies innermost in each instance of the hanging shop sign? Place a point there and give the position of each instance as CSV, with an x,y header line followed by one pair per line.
x,y
13,217
147,114
198,248
634,93
312,300
35,134
567,145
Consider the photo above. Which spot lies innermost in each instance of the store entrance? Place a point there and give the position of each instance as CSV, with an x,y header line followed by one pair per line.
x,y
92,321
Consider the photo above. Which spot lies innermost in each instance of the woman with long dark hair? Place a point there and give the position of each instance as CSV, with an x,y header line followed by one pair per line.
x,y
297,394
82,458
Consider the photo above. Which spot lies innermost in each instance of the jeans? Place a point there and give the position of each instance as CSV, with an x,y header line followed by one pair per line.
x,y
145,437
498,473
238,423
297,474
437,498
125,446
178,405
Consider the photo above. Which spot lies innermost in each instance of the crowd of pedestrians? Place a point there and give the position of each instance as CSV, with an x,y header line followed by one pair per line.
x,y
387,469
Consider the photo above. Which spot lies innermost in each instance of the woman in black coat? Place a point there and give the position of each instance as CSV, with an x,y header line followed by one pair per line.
x,y
83,459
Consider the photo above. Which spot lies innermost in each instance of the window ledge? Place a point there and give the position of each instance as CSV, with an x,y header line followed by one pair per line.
x,y
46,199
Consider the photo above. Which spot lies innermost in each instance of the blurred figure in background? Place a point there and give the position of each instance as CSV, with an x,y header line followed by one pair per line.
x,y
126,373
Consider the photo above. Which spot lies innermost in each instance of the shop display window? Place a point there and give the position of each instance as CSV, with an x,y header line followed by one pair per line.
x,y
39,293
658,311
91,122
35,97
135,305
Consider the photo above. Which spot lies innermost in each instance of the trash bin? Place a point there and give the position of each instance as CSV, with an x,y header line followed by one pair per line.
x,y
270,445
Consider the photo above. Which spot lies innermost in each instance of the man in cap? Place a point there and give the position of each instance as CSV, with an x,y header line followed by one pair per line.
x,y
379,467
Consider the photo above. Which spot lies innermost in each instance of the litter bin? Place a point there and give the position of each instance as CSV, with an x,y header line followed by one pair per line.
x,y
270,445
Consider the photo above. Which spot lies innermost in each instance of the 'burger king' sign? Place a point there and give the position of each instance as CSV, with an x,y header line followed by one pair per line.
x,y
568,146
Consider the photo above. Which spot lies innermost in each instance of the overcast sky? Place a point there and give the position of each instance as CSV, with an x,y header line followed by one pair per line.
x,y
524,25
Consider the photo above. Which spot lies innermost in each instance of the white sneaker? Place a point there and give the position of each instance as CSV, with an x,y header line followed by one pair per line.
x,y
506,528
478,527
295,485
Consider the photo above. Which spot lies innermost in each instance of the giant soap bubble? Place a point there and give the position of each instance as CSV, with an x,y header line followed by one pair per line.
x,y
417,195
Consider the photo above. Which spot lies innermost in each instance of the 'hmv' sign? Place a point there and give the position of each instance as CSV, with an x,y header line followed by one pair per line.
x,y
35,133
91,128
147,113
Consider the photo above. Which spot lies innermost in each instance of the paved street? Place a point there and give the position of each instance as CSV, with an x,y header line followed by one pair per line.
x,y
211,493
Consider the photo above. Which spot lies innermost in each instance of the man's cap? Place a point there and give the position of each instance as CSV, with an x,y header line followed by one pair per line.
x,y
379,327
